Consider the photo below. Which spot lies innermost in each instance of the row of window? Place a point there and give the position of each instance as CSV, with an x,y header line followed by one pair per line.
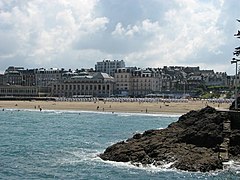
x,y
86,81
122,84
118,76
80,87
80,92
135,80
27,91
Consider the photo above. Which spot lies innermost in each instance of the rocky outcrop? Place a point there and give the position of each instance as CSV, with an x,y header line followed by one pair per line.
x,y
192,143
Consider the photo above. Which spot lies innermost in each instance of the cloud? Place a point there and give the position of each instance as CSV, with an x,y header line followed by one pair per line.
x,y
184,31
154,33
43,30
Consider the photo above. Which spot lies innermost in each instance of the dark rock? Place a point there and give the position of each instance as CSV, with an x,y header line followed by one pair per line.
x,y
232,107
192,143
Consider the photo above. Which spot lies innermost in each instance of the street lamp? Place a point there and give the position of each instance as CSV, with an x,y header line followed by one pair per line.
x,y
234,60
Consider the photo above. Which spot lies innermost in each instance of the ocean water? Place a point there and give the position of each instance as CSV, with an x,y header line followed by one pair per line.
x,y
65,145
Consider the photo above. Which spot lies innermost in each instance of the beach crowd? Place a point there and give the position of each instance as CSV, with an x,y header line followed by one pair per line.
x,y
143,100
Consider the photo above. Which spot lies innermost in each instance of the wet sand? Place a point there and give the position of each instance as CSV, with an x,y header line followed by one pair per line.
x,y
128,107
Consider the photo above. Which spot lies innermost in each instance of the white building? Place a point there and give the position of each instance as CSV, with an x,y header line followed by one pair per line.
x,y
109,67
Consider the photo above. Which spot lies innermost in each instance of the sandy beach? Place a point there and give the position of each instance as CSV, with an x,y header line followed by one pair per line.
x,y
128,107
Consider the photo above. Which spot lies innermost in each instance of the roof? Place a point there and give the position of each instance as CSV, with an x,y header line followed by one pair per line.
x,y
100,75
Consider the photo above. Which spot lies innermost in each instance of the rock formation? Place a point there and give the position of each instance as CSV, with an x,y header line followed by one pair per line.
x,y
193,143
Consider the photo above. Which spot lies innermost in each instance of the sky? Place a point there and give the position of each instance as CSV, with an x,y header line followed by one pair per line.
x,y
75,34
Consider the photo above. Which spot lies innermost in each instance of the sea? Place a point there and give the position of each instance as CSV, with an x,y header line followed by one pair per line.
x,y
66,144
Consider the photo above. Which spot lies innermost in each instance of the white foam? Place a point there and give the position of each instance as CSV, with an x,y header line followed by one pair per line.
x,y
95,112
78,156
147,114
235,165
149,168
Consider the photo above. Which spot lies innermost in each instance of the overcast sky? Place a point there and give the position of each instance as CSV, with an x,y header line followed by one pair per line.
x,y
144,33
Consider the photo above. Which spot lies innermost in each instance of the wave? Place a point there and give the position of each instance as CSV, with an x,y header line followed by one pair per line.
x,y
144,114
165,167
77,156
94,112
232,165
90,156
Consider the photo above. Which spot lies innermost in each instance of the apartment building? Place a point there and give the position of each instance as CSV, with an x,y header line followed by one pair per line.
x,y
12,76
45,77
216,79
109,67
137,82
19,76
28,77
146,81
1,79
123,81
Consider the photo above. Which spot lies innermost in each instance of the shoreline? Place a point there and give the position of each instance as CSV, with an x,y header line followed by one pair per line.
x,y
174,108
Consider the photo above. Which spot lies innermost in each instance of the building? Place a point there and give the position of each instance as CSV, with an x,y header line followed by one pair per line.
x,y
19,76
137,82
45,77
13,76
28,77
1,79
146,81
216,79
109,67
123,81
19,91
87,85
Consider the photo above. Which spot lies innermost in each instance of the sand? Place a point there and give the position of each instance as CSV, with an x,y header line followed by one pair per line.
x,y
128,107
